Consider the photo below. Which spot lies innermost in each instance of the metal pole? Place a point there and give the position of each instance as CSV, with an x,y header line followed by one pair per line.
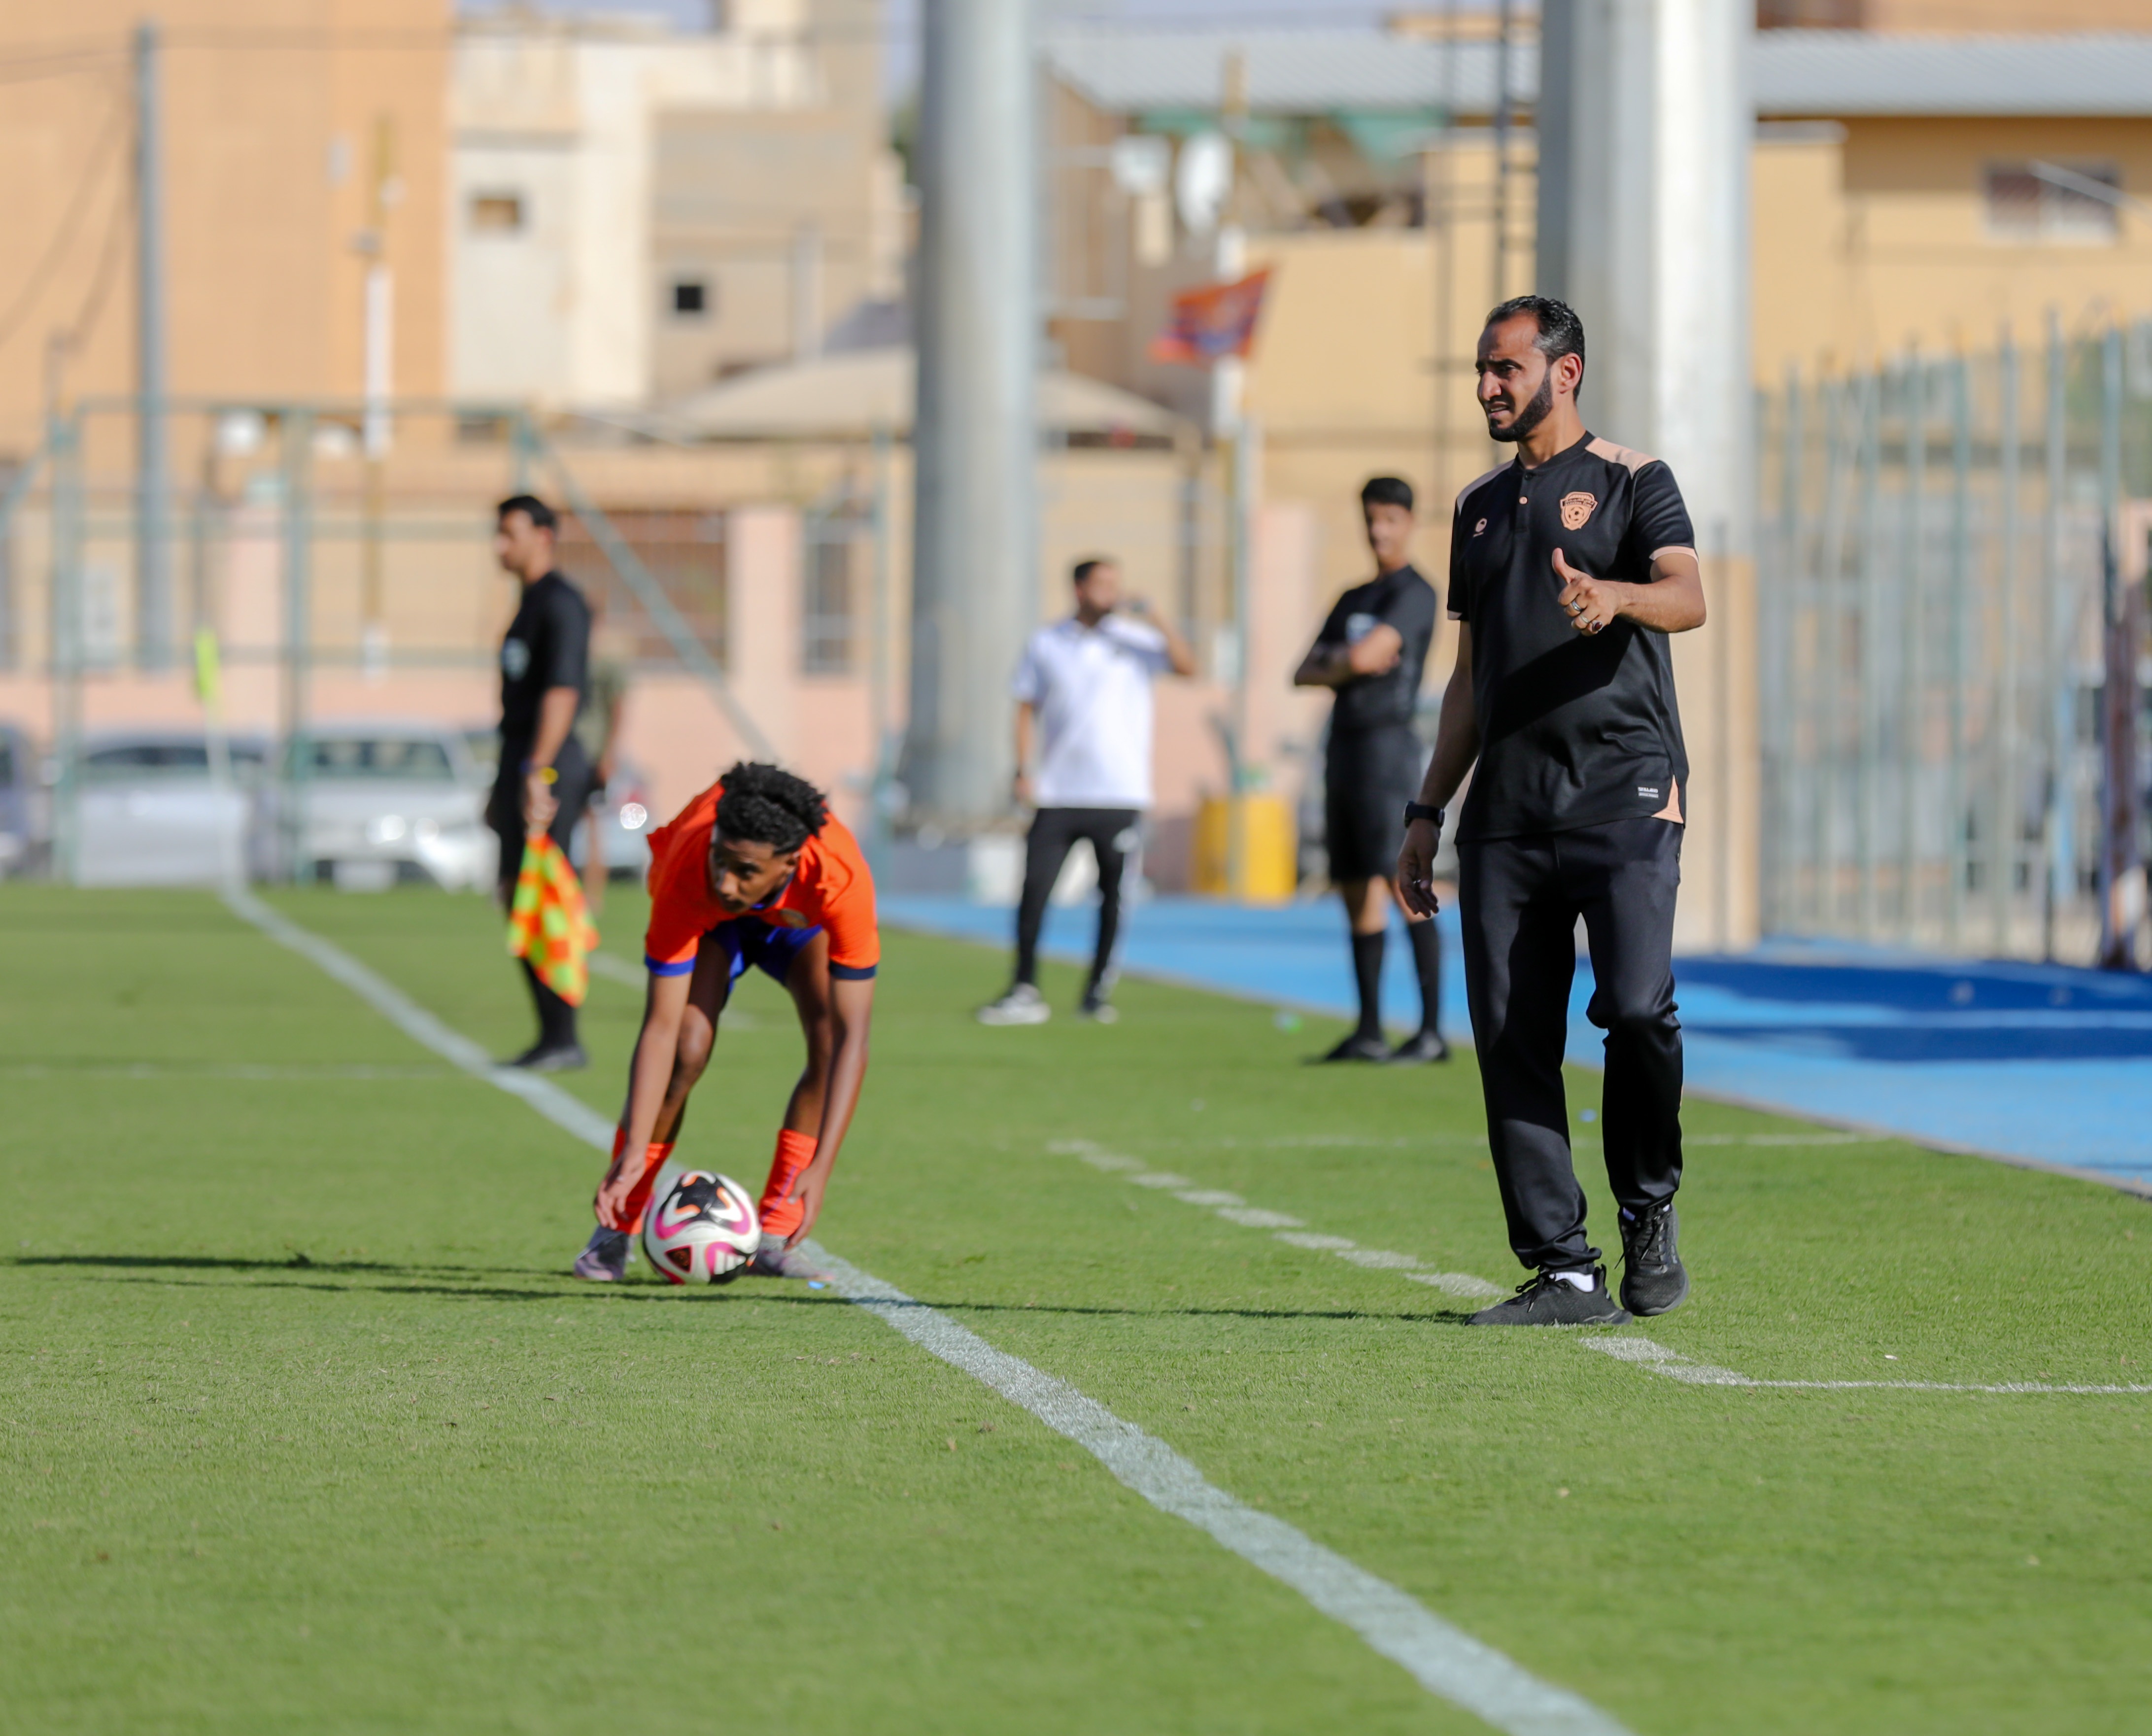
x,y
1780,652
153,566
1912,744
2119,723
1867,821
2054,648
1835,402
298,443
1505,26
66,439
975,553
2002,855
1957,830
884,770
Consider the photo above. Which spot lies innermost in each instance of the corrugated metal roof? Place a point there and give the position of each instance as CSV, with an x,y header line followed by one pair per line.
x,y
1811,73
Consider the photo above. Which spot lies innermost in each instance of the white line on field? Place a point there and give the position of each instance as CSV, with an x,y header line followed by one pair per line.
x,y
1638,1352
1444,1660
616,970
1660,1360
216,1070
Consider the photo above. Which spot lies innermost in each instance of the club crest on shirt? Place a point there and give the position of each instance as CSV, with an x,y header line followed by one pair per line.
x,y
1479,527
1575,508
515,659
789,919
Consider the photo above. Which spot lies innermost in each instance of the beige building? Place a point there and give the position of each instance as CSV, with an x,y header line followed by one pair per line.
x,y
639,211
303,143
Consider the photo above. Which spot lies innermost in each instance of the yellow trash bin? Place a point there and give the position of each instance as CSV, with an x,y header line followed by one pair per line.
x,y
1264,868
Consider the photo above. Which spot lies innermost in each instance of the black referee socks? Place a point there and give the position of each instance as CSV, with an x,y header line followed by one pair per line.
x,y
1367,973
1427,964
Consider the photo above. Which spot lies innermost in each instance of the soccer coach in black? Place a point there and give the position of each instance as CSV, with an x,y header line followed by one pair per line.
x,y
1568,568
545,776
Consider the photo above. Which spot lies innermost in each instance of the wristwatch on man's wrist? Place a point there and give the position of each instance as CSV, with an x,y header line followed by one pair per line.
x,y
1420,810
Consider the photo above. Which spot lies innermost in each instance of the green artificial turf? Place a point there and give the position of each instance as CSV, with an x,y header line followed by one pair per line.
x,y
301,1425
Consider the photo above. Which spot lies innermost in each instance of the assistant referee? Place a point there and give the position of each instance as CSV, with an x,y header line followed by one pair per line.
x,y
1568,568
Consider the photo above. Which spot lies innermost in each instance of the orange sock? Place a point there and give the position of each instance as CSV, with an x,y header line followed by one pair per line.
x,y
780,1216
638,1201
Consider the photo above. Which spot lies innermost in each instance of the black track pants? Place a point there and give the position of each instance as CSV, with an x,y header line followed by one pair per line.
x,y
1111,832
1518,899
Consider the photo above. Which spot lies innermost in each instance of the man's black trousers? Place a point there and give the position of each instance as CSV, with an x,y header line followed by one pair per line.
x,y
1112,835
1519,899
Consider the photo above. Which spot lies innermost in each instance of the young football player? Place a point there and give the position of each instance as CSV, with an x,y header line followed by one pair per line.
x,y
755,871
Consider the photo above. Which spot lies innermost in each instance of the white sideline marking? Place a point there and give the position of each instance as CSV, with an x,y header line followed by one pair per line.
x,y
1444,1660
1210,1196
1457,1283
1675,1366
616,970
1162,1179
1640,1352
218,1070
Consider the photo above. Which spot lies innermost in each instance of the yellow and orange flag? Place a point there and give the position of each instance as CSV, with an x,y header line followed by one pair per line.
x,y
548,924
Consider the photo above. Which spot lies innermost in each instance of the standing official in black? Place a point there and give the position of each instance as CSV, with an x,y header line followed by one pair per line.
x,y
543,783
1373,652
1568,568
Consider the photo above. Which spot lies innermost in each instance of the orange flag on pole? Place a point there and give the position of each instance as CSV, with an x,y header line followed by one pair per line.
x,y
548,923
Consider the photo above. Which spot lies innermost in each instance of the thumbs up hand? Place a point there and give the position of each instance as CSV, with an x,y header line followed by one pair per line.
x,y
1590,603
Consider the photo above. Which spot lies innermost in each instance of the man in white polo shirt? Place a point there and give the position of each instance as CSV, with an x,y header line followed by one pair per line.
x,y
1083,691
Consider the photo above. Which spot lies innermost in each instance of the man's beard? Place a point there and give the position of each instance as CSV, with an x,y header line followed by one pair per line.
x,y
1530,417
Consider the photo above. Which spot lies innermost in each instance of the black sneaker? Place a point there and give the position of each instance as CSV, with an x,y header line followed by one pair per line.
x,y
1359,1047
1418,1050
551,1058
1653,1279
1547,1301
1097,1008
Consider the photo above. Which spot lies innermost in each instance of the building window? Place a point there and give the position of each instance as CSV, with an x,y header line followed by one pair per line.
x,y
827,622
2051,201
497,213
691,298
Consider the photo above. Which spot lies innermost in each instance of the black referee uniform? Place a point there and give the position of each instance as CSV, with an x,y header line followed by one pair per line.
x,y
547,646
1575,810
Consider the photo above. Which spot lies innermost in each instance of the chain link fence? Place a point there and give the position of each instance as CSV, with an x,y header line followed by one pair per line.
x,y
1952,558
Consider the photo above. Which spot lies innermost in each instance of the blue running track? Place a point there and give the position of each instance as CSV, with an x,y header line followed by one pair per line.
x,y
2032,1063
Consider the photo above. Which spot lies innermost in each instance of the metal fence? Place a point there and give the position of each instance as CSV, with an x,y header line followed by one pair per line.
x,y
1952,560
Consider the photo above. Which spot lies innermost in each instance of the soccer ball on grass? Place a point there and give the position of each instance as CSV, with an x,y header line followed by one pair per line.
x,y
703,1229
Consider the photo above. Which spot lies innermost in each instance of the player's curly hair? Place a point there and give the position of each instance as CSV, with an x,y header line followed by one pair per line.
x,y
767,804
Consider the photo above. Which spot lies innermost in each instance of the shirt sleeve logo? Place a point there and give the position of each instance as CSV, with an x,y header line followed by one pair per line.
x,y
1575,508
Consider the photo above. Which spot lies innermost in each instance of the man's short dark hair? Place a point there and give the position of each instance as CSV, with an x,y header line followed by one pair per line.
x,y
542,517
1387,491
1561,332
764,803
1088,565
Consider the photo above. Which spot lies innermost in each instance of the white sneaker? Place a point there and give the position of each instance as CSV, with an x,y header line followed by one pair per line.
x,y
1022,1005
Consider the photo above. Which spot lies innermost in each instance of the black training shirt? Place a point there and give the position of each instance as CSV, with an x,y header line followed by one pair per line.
x,y
1574,728
548,646
1400,599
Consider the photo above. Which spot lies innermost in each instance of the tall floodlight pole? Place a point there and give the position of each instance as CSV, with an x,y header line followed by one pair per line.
x,y
975,553
1645,124
152,565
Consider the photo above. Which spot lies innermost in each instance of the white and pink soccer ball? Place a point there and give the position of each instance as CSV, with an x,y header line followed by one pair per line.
x,y
703,1229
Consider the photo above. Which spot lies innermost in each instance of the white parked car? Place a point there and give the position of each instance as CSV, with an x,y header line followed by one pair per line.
x,y
149,813
390,802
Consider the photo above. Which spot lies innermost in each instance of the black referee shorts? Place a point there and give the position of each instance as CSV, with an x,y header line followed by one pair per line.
x,y
1368,779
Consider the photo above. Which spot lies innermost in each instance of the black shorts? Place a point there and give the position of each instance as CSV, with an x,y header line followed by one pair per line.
x,y
1368,779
